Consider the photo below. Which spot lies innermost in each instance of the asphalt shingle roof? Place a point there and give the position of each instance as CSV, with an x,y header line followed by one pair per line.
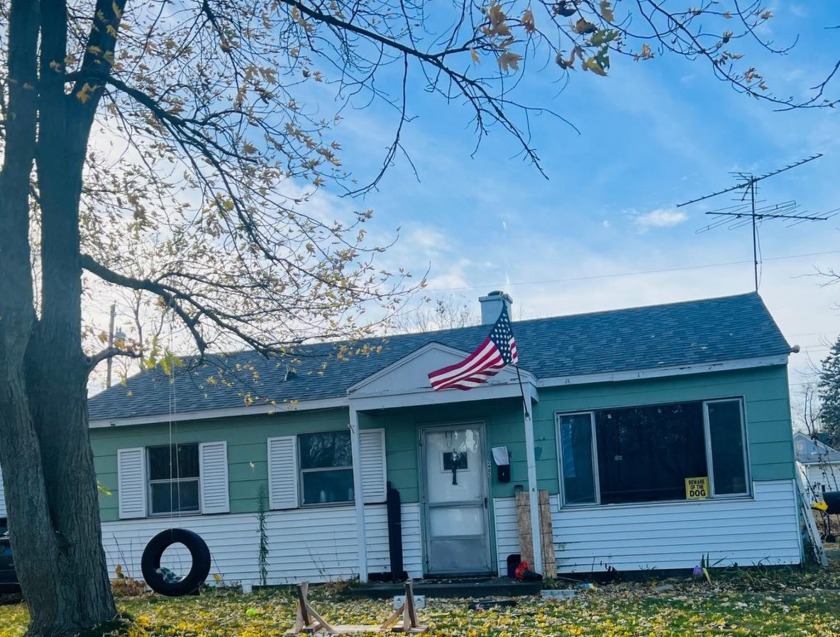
x,y
661,336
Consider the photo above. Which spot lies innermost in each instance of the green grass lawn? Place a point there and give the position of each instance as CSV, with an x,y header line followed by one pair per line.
x,y
779,602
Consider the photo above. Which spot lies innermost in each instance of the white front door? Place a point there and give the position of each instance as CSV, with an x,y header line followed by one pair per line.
x,y
455,500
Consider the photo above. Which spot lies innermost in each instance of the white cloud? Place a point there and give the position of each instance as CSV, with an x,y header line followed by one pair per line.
x,y
660,218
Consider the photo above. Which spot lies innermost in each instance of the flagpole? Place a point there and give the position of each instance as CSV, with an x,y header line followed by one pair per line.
x,y
533,493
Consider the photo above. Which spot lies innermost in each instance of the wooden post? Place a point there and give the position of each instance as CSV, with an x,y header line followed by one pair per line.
x,y
523,523
547,537
526,540
409,615
303,603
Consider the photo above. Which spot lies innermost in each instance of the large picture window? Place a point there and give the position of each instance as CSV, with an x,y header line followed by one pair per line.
x,y
173,479
326,468
645,453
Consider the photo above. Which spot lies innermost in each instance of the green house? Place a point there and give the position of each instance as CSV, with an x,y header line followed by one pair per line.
x,y
660,434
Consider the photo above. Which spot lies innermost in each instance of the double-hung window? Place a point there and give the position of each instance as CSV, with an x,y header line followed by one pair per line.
x,y
173,479
170,479
646,453
326,468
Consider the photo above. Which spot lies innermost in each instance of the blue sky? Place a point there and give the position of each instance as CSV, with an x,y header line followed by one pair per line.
x,y
603,231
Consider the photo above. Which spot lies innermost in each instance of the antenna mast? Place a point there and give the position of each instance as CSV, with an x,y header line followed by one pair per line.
x,y
747,212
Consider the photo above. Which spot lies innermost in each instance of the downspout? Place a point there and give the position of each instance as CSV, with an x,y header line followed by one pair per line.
x,y
361,533
533,495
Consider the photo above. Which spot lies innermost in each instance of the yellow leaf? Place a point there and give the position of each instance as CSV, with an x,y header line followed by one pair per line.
x,y
606,11
249,149
116,10
592,65
509,60
217,578
474,55
95,50
528,21
55,65
83,95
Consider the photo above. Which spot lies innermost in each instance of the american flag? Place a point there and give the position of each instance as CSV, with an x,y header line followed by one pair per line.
x,y
497,350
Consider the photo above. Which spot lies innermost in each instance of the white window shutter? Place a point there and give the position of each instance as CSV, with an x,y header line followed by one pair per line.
x,y
282,473
2,497
131,482
213,472
373,469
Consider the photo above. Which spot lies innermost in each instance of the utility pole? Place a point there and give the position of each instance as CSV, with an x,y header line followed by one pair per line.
x,y
119,335
747,211
110,345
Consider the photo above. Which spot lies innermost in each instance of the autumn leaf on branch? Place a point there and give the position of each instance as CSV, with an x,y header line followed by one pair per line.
x,y
509,60
528,21
591,64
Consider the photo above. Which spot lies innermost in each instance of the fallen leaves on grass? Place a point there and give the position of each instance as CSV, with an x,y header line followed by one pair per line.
x,y
755,602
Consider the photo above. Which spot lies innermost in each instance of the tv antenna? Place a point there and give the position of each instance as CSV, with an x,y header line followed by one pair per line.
x,y
747,211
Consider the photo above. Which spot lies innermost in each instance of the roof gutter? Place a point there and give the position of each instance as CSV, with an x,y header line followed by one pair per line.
x,y
344,401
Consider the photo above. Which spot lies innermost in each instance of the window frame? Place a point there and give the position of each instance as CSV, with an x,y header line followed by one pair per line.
x,y
745,455
713,495
301,471
177,481
593,450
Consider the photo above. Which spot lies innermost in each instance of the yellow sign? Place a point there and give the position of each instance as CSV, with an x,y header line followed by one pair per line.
x,y
696,488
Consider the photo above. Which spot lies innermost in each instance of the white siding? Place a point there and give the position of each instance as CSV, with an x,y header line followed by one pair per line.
x,y
315,544
282,473
672,535
131,482
213,473
373,467
2,497
412,540
821,477
507,530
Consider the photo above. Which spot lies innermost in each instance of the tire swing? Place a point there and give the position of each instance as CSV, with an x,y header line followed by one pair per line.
x,y
162,580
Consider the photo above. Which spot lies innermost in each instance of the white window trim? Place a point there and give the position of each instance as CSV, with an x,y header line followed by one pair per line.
x,y
301,471
150,482
289,475
596,478
744,450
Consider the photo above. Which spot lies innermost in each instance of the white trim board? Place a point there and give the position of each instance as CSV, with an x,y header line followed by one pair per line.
x,y
428,396
681,370
209,414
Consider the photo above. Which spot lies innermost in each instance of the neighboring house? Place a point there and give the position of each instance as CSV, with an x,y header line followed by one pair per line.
x,y
622,407
818,463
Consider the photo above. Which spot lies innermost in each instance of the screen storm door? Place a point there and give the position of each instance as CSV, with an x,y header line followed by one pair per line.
x,y
455,500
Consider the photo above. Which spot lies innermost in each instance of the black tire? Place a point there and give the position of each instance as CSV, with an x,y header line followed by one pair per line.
x,y
150,562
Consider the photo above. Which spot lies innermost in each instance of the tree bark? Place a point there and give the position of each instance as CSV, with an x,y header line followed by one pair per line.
x,y
44,447
19,447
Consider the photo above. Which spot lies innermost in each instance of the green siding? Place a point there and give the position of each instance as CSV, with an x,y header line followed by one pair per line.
x,y
246,438
765,392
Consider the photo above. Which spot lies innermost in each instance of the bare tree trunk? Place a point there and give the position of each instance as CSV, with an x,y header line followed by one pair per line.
x,y
44,448
19,448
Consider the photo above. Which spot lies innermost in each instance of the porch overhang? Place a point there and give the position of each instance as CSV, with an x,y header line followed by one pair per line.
x,y
405,383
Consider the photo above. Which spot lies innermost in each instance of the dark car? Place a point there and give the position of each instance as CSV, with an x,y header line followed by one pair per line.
x,y
8,577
